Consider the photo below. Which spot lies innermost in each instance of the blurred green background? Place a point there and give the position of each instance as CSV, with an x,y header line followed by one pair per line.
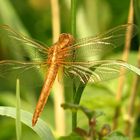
x,y
33,18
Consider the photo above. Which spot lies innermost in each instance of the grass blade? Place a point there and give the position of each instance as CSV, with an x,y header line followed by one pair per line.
x,y
41,127
18,121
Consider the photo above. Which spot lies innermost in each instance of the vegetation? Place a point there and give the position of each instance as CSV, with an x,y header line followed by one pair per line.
x,y
108,110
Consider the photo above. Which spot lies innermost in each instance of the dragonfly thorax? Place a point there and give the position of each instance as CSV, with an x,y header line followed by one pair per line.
x,y
65,40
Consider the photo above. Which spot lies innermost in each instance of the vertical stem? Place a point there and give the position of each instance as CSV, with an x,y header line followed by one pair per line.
x,y
125,58
18,120
134,90
55,20
58,86
73,17
76,100
73,32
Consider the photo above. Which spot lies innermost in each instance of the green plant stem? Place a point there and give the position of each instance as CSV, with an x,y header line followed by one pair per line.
x,y
73,17
76,93
73,32
76,100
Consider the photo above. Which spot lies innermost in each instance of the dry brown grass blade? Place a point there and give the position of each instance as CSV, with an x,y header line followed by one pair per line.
x,y
125,58
133,94
58,87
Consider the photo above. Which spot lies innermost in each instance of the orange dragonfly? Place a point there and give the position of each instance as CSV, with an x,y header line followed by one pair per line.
x,y
77,57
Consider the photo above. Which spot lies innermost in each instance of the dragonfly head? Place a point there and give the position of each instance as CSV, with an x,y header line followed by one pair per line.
x,y
65,40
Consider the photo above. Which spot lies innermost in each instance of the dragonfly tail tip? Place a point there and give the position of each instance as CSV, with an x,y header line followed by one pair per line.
x,y
34,121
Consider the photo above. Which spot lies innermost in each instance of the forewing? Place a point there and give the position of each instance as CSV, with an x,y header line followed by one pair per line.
x,y
98,70
18,42
93,48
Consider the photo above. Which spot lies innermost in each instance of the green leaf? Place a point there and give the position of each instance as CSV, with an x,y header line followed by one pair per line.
x,y
41,127
116,136
72,136
132,68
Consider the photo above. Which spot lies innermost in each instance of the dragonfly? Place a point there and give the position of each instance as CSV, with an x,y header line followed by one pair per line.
x,y
78,58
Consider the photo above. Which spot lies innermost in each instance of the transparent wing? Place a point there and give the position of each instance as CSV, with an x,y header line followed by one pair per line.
x,y
98,70
12,39
17,68
93,48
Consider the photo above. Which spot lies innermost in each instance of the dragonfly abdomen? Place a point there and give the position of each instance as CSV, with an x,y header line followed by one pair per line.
x,y
51,75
